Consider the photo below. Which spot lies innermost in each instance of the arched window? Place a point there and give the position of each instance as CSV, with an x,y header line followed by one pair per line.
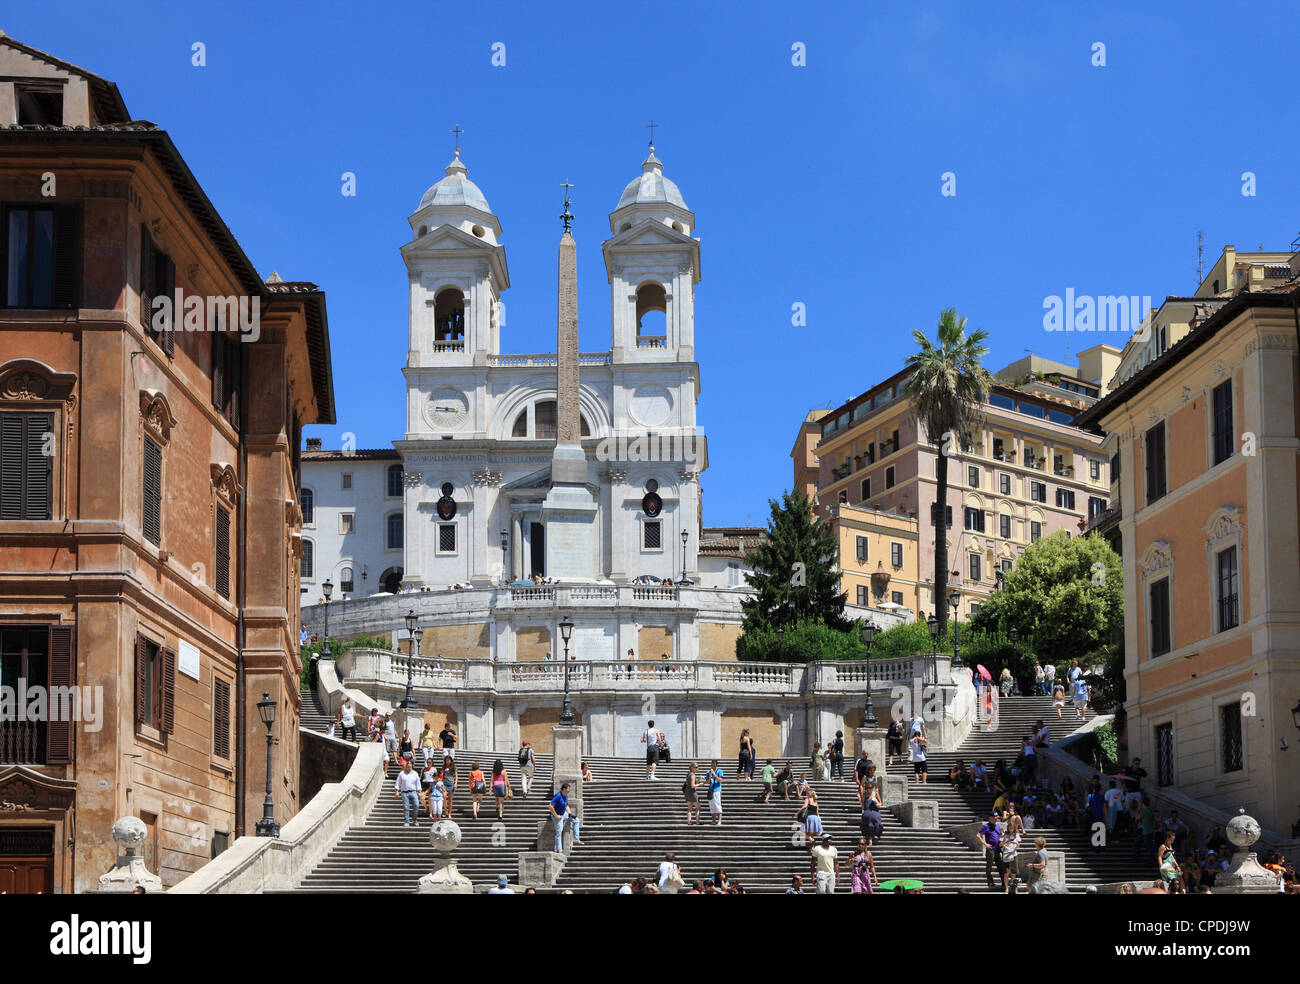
x,y
520,428
395,481
307,570
395,531
449,316
307,502
345,581
651,315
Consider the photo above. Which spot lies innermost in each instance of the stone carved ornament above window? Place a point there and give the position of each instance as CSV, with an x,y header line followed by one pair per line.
x,y
1224,524
157,413
292,515
29,381
1158,557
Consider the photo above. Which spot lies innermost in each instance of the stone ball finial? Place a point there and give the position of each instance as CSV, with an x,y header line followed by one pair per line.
x,y
129,833
1243,831
445,836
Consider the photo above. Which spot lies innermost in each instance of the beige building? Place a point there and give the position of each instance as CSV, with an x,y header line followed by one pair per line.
x,y
878,557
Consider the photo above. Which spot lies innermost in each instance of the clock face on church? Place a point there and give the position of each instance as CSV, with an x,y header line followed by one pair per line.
x,y
447,409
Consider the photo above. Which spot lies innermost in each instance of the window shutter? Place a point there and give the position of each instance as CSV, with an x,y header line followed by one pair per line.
x,y
146,279
151,509
13,489
66,237
165,283
223,552
59,733
218,368
221,719
141,697
39,467
235,375
168,691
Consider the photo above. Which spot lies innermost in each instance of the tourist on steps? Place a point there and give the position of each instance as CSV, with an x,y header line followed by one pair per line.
x,y
477,787
348,721
871,825
715,793
818,762
448,784
426,743
500,787
990,838
919,769
809,816
689,791
744,763
560,815
408,790
527,766
864,870
824,866
650,738
894,740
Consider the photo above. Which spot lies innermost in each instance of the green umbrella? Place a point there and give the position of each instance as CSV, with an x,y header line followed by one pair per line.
x,y
907,884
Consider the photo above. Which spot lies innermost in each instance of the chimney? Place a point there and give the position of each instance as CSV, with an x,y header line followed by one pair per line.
x,y
313,444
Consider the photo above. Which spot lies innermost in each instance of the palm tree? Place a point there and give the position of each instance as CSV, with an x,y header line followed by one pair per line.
x,y
947,388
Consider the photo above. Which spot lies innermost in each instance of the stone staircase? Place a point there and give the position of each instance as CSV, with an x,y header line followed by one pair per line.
x,y
629,823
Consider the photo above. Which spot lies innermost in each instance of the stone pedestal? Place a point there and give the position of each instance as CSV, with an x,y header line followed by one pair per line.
x,y
1245,876
893,790
412,720
540,868
1055,870
569,740
546,837
923,814
129,872
873,740
569,513
445,879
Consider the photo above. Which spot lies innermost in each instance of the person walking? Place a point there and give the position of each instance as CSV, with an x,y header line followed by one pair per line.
x,y
837,761
860,768
690,790
743,761
715,793
426,743
871,791
863,877
1058,698
894,740
1009,849
436,791
1040,680
650,738
527,766
990,838
447,737
500,787
560,815
670,876
348,720
406,748
477,787
809,815
1081,694
1038,866
824,866
818,762
448,784
769,781
919,768
390,737
408,791
871,825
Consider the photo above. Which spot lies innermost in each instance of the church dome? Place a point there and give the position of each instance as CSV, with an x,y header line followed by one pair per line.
x,y
456,189
652,188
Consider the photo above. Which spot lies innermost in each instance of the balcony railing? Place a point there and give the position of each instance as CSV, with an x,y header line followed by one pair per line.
x,y
22,742
543,360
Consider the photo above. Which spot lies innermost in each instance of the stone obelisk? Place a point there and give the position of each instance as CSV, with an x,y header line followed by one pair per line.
x,y
569,511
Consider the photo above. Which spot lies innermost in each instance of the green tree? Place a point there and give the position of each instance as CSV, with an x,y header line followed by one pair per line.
x,y
947,388
796,571
1065,596
804,641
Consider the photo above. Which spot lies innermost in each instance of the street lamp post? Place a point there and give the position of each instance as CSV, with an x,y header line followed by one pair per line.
x,y
415,632
868,632
505,543
328,588
566,633
954,599
267,827
934,648
685,537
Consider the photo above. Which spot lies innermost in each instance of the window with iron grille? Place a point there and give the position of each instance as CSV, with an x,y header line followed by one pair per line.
x,y
1227,563
895,555
307,502
1223,433
1159,610
347,522
1230,736
26,469
307,567
651,535
395,481
223,552
1165,754
395,531
151,504
345,581
345,480
1155,462
447,538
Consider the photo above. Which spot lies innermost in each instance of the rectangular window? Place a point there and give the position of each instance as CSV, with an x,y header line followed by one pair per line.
x,y
39,105
395,481
307,502
1006,563
1114,467
26,470
1165,754
1155,459
1096,506
889,477
651,535
223,552
862,549
227,375
1227,562
1159,614
220,719
999,452
862,595
1038,491
974,519
155,685
1094,469
1224,439
973,476
347,522
347,481
1230,736
395,531
896,555
974,566
1065,498
1004,484
893,441
447,538
1004,527
896,597
307,568
151,511
866,489
934,515
1035,531
40,256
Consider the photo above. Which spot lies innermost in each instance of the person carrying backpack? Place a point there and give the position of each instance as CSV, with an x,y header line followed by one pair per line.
x,y
527,766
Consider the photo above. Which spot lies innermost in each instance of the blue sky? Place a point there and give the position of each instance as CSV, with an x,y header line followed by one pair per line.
x,y
817,185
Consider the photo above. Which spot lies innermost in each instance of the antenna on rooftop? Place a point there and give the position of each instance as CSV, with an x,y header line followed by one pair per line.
x,y
1200,257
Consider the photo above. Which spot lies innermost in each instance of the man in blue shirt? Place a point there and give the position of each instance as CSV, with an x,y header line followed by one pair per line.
x,y
991,838
559,814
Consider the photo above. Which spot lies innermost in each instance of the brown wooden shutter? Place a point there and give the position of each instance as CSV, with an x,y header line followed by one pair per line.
x,y
39,467
223,552
168,691
62,673
235,379
141,681
12,483
146,279
221,719
67,238
218,368
165,284
151,515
